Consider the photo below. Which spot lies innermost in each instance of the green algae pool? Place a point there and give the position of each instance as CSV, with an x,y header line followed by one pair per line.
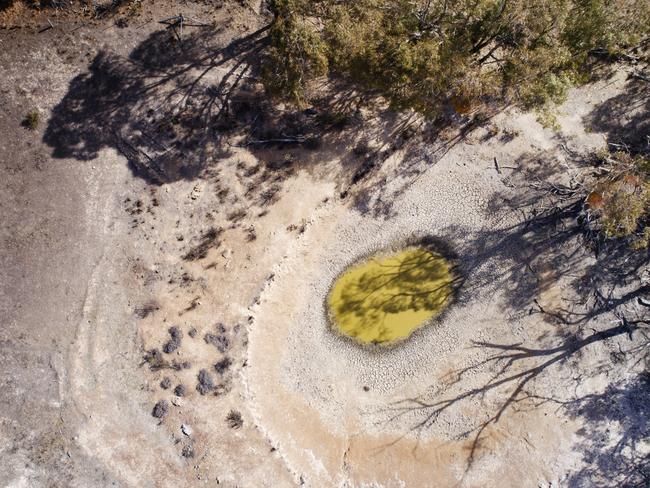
x,y
386,298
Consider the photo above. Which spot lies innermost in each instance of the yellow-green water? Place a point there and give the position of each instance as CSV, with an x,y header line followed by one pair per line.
x,y
386,298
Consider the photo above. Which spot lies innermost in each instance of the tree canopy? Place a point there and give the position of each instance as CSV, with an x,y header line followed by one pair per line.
x,y
421,53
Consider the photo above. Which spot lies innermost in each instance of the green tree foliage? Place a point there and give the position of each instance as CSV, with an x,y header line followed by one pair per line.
x,y
421,53
297,51
619,205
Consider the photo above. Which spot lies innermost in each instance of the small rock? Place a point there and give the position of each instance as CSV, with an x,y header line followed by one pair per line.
x,y
366,388
176,401
186,429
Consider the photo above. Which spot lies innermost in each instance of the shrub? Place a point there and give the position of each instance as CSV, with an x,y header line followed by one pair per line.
x,y
297,51
420,55
620,203
31,120
160,409
234,419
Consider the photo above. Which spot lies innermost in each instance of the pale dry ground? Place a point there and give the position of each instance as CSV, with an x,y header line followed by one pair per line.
x,y
80,264
307,384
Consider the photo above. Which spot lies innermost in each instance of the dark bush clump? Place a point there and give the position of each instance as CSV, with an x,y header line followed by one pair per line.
x,y
160,409
223,365
175,342
234,419
155,359
205,384
220,341
31,120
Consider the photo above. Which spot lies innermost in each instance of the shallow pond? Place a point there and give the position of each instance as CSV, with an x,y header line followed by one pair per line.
x,y
387,297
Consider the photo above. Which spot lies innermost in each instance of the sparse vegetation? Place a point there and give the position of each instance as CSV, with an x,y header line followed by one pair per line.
x,y
205,384
160,409
188,451
618,205
222,366
220,341
32,119
174,342
234,419
180,390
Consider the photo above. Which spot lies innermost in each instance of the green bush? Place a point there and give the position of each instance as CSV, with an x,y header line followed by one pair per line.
x,y
420,55
620,203
32,119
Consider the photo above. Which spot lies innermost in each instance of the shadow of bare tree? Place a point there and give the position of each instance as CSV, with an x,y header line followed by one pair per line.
x,y
614,441
625,118
161,107
437,137
549,247
177,106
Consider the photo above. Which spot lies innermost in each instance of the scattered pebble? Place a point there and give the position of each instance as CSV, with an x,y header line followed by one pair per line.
x,y
186,429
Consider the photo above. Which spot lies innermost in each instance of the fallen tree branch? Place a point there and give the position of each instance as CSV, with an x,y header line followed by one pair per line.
x,y
292,140
639,76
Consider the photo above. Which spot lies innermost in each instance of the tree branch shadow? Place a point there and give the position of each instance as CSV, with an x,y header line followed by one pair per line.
x,y
609,284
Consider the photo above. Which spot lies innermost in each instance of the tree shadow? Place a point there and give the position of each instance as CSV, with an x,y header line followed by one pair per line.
x,y
625,118
158,107
512,376
546,249
176,108
615,440
433,140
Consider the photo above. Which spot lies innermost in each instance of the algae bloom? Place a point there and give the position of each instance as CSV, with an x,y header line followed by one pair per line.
x,y
387,297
